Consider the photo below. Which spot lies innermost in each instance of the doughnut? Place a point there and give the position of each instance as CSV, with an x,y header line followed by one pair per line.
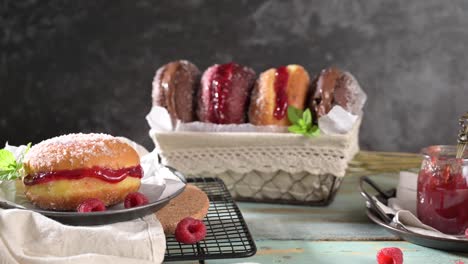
x,y
274,91
224,93
175,86
335,87
323,88
192,202
63,171
349,94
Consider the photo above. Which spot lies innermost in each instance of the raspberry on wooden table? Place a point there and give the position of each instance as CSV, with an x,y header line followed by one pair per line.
x,y
390,255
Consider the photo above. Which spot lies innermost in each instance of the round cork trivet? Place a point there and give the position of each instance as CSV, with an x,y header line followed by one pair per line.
x,y
192,202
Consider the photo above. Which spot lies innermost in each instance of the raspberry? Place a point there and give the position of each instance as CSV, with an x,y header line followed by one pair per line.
x,y
390,255
135,199
190,231
91,205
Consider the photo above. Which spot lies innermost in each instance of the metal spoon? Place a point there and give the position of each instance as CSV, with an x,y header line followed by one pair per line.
x,y
462,135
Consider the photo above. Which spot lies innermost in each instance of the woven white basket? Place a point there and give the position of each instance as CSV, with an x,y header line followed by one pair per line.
x,y
280,167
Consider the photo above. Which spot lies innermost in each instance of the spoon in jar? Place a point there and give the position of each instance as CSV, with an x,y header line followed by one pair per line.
x,y
462,135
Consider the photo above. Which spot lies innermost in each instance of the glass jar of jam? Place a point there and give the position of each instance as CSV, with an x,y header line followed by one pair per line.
x,y
442,198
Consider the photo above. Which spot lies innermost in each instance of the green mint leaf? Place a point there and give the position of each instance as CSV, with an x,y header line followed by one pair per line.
x,y
302,123
10,168
7,160
296,129
294,114
9,175
313,131
307,116
4,173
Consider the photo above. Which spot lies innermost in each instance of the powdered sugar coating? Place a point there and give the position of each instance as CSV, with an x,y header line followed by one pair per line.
x,y
80,150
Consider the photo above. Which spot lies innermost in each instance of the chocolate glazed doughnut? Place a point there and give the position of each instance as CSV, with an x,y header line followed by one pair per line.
x,y
224,93
335,87
274,91
175,87
349,94
323,89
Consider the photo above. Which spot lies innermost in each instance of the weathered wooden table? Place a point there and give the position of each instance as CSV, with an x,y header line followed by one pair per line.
x,y
339,233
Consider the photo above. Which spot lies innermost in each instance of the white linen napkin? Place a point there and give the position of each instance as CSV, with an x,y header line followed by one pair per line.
x,y
27,237
403,207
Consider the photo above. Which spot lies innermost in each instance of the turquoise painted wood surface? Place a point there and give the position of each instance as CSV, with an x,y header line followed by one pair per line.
x,y
339,252
339,233
344,219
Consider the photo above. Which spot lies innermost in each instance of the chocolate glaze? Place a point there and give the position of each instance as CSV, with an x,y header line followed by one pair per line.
x,y
349,94
175,87
323,92
237,85
341,95
336,87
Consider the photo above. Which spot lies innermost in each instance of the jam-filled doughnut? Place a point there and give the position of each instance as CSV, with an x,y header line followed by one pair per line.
x,y
224,93
274,91
175,87
64,171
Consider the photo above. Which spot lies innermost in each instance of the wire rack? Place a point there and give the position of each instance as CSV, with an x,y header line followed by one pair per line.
x,y
227,235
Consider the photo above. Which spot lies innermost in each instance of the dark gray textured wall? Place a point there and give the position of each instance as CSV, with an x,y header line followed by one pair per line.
x,y
68,66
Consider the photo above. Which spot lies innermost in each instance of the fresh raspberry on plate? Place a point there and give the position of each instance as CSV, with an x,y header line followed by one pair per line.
x,y
390,255
190,231
135,199
91,205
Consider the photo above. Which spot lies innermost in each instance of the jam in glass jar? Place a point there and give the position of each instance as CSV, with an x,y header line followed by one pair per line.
x,y
442,198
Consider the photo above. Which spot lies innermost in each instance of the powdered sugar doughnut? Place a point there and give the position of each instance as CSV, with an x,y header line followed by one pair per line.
x,y
66,170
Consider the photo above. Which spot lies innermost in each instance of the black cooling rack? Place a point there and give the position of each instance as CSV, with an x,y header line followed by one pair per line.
x,y
227,235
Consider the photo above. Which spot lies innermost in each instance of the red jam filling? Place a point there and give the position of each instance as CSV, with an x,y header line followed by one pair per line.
x,y
281,84
442,200
105,174
219,89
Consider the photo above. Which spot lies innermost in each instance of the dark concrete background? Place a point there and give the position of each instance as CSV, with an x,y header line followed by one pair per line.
x,y
69,66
